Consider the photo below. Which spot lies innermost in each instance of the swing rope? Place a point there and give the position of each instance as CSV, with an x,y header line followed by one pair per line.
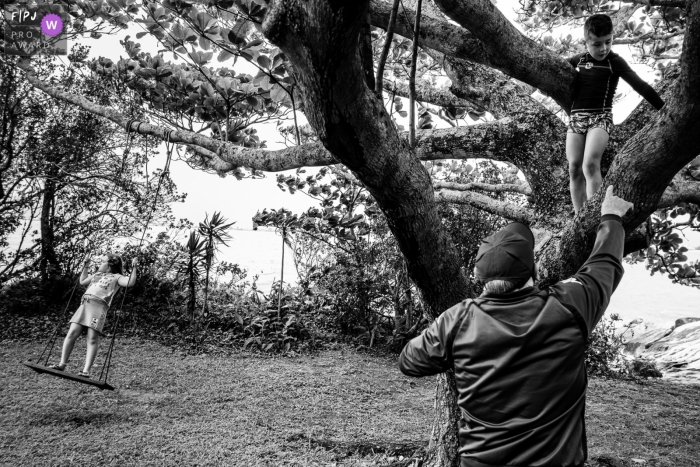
x,y
164,173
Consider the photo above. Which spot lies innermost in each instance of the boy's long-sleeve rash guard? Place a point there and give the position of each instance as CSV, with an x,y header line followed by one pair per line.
x,y
596,83
518,360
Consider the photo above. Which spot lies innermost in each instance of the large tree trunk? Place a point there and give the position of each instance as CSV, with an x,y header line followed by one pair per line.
x,y
48,264
444,437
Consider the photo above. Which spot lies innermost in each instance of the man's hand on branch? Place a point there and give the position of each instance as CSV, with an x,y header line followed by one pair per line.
x,y
614,205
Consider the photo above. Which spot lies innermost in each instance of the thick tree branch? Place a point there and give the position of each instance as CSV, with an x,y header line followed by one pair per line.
x,y
435,33
532,141
310,155
521,188
498,94
680,191
510,51
486,89
425,92
501,208
496,140
210,160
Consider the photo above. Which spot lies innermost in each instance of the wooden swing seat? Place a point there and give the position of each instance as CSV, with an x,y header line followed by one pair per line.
x,y
71,376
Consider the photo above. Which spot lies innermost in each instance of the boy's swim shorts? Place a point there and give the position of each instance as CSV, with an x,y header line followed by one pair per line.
x,y
581,122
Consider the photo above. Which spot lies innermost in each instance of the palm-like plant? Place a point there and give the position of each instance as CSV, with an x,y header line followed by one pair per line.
x,y
191,267
214,233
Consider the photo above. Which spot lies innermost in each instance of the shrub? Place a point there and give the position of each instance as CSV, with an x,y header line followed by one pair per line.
x,y
604,350
276,330
644,368
155,308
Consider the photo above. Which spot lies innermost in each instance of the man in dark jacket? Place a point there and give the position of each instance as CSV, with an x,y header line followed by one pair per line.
x,y
518,352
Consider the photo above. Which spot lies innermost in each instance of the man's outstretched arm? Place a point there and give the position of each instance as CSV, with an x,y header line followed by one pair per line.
x,y
588,291
431,352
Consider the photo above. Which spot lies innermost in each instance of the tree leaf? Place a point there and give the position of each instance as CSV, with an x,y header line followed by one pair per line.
x,y
264,62
278,94
224,55
204,43
253,101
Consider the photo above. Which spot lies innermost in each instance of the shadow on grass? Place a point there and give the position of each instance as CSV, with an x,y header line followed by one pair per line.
x,y
343,449
76,419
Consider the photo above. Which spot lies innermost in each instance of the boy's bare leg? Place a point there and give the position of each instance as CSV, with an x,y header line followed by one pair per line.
x,y
93,340
596,140
575,143
69,342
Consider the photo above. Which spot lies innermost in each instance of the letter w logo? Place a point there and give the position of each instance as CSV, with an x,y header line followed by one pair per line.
x,y
52,25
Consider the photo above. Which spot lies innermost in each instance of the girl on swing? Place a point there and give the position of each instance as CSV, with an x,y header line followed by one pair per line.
x,y
91,314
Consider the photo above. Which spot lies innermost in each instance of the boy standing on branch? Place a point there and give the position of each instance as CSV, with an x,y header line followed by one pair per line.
x,y
517,352
599,70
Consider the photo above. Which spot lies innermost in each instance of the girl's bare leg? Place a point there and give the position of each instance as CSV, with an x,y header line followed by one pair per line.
x,y
69,342
596,140
93,341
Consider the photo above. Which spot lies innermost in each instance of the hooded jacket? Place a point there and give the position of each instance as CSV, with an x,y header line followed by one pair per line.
x,y
518,360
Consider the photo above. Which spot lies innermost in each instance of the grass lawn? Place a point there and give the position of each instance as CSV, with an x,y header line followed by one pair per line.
x,y
335,408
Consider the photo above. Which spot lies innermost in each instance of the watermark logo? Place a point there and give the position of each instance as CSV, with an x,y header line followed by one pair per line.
x,y
35,29
51,25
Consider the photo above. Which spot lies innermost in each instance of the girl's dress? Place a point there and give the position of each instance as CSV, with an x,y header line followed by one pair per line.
x,y
96,300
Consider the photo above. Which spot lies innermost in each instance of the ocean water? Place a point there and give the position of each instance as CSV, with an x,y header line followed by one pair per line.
x,y
257,251
260,252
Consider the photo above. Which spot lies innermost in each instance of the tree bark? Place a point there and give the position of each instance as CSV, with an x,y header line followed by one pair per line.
x,y
435,33
486,203
444,437
48,263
